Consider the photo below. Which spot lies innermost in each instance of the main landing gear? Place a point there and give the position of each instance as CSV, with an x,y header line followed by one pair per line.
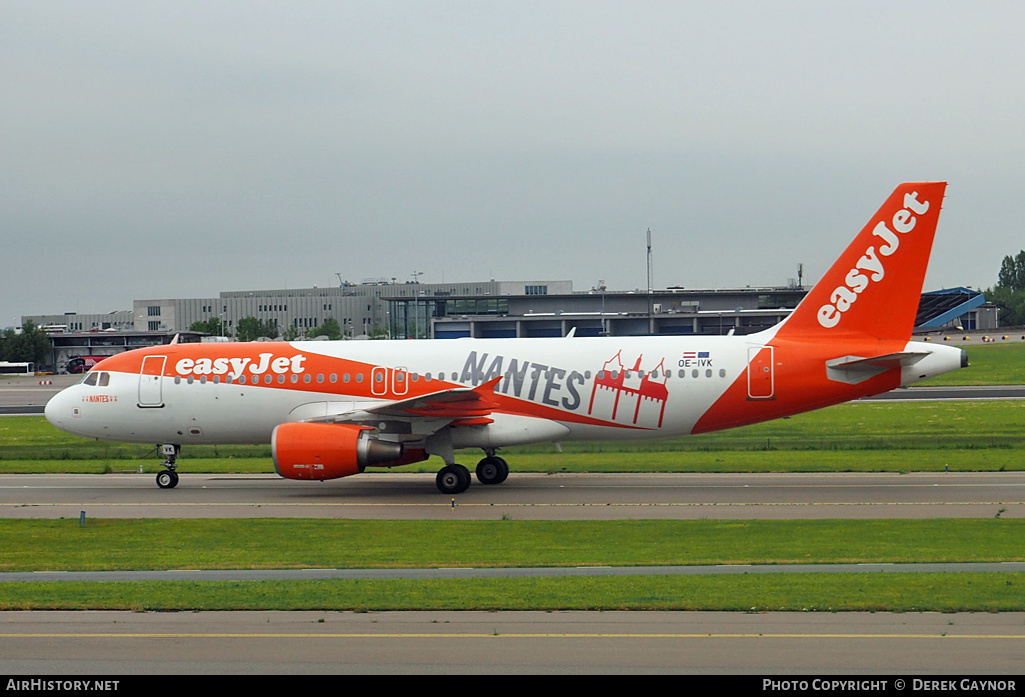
x,y
455,479
167,478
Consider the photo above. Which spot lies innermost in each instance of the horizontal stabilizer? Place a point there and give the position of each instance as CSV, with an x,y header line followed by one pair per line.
x,y
855,369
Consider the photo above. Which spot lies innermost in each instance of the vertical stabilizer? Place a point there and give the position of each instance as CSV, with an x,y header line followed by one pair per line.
x,y
874,288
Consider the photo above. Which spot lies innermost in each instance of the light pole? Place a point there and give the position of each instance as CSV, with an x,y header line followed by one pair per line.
x,y
416,302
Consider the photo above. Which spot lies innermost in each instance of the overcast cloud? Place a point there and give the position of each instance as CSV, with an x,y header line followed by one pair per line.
x,y
178,149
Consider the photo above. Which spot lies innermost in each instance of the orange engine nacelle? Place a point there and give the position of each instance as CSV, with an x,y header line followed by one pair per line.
x,y
327,451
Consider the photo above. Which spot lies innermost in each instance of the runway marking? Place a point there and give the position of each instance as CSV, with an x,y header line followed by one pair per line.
x,y
491,635
719,504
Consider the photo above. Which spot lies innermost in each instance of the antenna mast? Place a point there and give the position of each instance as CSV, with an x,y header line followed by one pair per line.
x,y
651,307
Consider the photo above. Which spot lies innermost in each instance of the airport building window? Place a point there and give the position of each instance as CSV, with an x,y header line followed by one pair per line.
x,y
153,310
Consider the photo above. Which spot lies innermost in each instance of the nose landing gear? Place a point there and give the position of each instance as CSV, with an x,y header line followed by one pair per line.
x,y
168,477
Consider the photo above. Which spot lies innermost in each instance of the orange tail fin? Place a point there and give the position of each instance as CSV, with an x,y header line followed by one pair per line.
x,y
874,288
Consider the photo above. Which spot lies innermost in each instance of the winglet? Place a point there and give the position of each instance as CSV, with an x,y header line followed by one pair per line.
x,y
874,288
487,389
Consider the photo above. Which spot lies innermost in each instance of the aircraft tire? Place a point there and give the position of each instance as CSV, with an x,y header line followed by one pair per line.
x,y
492,470
453,479
167,479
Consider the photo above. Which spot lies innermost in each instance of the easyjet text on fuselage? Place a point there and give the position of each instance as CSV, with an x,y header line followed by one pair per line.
x,y
267,362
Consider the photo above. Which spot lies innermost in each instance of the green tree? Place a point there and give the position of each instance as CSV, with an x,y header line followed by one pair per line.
x,y
1009,293
31,344
1012,272
330,328
251,329
211,325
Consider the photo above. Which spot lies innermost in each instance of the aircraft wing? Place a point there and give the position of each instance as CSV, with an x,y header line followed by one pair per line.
x,y
456,407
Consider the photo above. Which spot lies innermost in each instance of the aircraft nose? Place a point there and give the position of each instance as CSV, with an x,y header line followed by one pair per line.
x,y
56,410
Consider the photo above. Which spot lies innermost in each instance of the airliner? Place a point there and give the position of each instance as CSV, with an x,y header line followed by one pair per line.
x,y
332,409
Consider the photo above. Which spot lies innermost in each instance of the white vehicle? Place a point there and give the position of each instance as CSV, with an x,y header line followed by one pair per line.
x,y
17,368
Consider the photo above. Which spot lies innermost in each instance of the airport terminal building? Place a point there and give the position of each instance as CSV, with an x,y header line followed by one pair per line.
x,y
482,309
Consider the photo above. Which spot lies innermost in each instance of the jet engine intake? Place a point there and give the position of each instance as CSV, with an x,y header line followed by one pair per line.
x,y
327,451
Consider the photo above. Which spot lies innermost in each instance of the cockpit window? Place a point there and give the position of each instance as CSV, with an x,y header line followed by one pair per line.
x,y
93,379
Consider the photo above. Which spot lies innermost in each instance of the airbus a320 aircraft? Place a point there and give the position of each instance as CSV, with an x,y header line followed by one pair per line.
x,y
331,409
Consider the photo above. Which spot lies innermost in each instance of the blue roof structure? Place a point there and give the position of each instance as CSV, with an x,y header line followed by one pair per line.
x,y
939,307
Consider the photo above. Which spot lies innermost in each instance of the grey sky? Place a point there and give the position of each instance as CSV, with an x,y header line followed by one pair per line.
x,y
177,149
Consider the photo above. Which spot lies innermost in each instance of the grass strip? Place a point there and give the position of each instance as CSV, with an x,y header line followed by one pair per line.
x,y
125,544
908,592
989,364
858,427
